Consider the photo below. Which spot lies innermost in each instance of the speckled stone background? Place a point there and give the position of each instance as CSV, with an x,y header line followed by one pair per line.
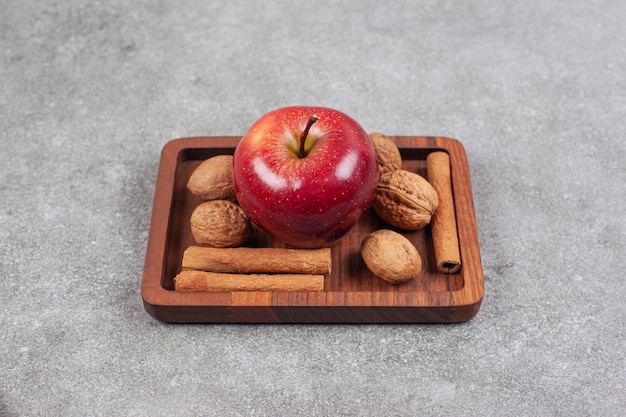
x,y
91,91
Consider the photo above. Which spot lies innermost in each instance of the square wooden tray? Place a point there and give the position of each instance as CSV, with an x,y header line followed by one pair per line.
x,y
351,293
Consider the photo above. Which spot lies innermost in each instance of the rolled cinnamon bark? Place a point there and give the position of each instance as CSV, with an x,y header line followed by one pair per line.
x,y
258,260
191,280
443,223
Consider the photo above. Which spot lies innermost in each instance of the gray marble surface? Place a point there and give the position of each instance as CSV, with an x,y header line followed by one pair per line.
x,y
90,92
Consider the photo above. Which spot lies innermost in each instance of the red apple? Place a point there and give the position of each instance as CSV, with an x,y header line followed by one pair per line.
x,y
304,174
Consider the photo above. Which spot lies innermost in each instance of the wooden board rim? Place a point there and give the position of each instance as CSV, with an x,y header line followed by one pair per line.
x,y
158,301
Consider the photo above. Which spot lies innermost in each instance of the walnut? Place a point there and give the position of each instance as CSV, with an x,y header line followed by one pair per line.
x,y
387,153
391,256
213,179
220,224
405,199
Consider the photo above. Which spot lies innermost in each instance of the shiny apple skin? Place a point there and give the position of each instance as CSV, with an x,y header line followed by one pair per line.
x,y
312,201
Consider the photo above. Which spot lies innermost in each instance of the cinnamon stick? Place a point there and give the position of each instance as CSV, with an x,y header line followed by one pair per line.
x,y
443,223
258,260
191,280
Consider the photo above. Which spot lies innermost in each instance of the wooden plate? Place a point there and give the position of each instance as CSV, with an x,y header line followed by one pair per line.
x,y
351,293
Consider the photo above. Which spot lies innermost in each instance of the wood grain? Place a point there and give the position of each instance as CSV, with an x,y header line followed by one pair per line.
x,y
351,293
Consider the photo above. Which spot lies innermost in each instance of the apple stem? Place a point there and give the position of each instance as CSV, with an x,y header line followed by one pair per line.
x,y
312,119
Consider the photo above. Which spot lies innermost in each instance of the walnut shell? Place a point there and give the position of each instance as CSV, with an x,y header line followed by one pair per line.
x,y
405,199
220,224
387,153
391,256
213,179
